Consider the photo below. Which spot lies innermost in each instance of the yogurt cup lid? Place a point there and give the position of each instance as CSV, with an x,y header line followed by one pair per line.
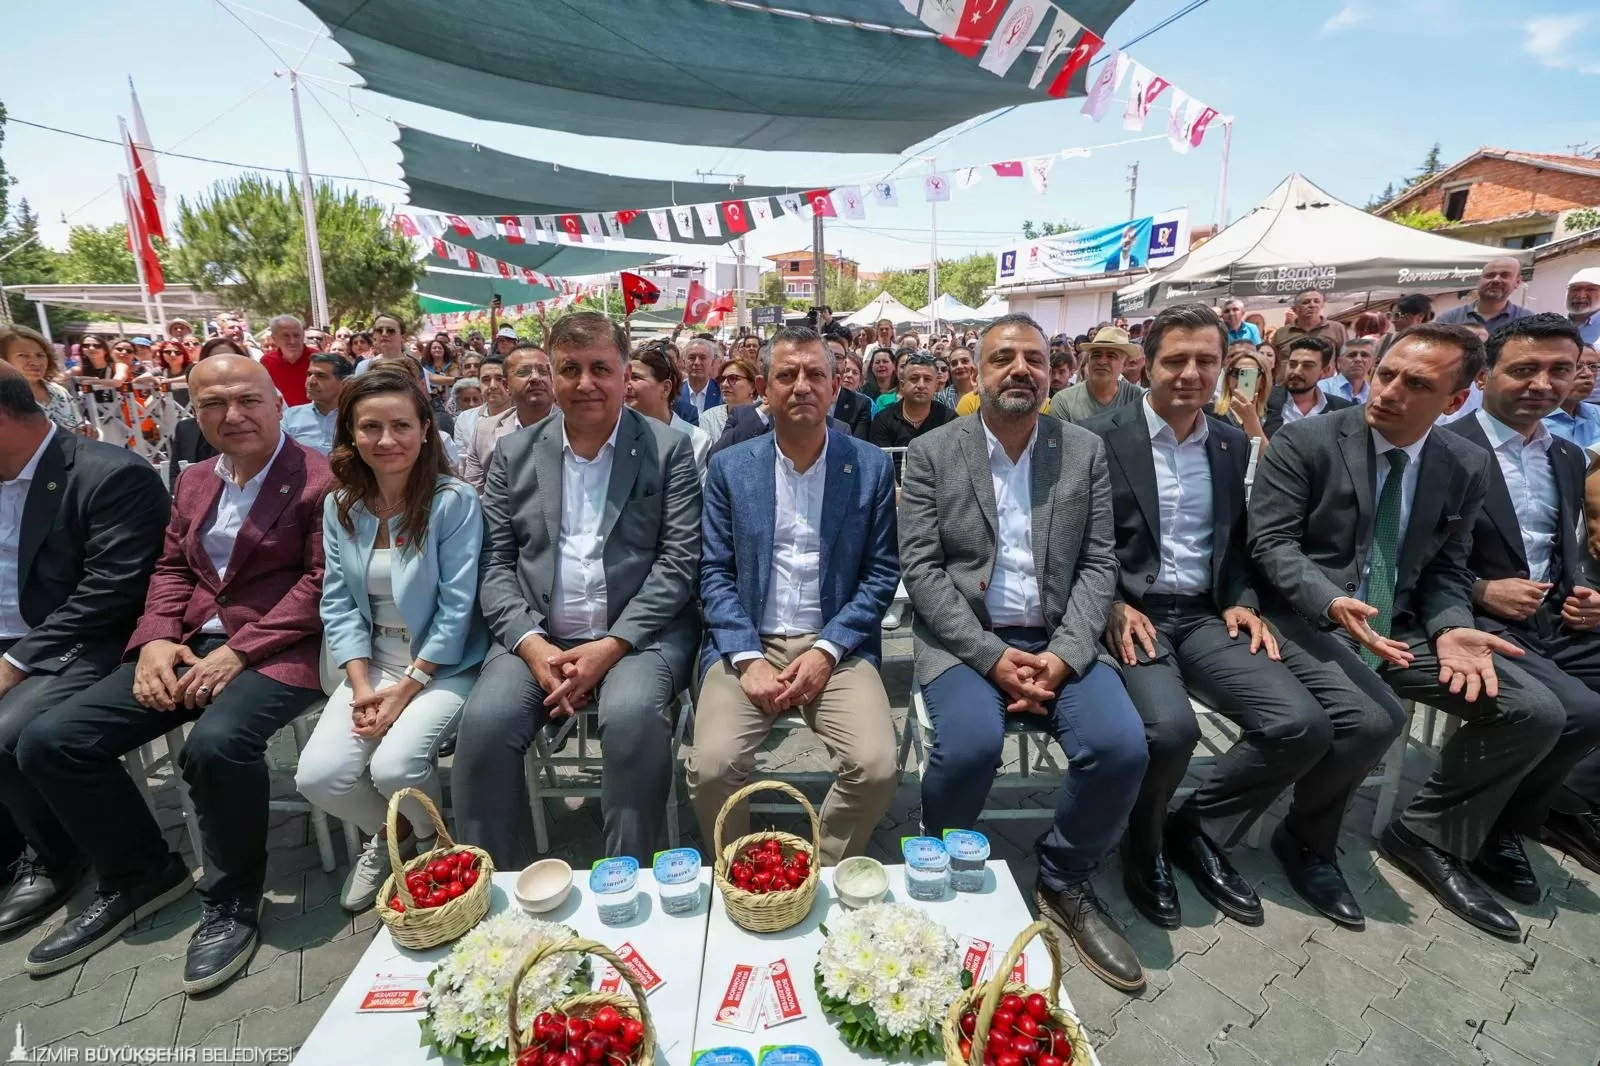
x,y
790,1055
676,866
966,844
617,874
722,1056
924,853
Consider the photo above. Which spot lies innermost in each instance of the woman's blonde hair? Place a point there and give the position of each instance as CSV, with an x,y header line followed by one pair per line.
x,y
1263,383
11,334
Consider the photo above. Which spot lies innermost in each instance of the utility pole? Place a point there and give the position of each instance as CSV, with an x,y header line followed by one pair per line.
x,y
308,212
819,268
1133,189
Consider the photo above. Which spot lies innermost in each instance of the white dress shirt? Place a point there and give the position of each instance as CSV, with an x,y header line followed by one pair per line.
x,y
1292,412
13,500
1012,597
1408,493
310,427
698,399
1525,465
1183,495
578,601
1474,403
233,507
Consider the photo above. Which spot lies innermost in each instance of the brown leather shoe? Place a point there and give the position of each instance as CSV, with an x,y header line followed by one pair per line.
x,y
1079,916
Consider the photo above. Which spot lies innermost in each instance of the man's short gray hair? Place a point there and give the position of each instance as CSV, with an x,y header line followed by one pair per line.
x,y
1367,343
283,320
795,335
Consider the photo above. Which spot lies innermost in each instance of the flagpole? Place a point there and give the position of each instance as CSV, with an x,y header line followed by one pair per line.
x,y
1222,188
933,258
133,240
308,213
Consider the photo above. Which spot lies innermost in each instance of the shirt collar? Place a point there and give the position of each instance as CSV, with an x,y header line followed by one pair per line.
x,y
998,448
1156,424
1380,444
224,466
611,442
32,465
1502,434
786,465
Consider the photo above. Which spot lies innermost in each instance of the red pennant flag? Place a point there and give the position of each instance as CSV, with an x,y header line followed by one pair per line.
x,y
698,304
1077,59
439,249
821,203
459,224
472,259
573,226
637,292
529,276
513,229
505,269
724,302
1198,133
625,217
406,227
1009,169
978,19
734,214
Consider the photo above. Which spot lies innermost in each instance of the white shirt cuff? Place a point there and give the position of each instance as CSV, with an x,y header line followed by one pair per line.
x,y
14,662
534,632
832,649
744,656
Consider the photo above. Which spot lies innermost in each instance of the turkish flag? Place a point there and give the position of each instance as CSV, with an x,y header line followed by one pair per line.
x,y
1081,54
637,292
572,226
978,19
1203,121
734,214
626,216
406,227
724,302
821,203
439,249
513,229
698,305
155,281
1010,169
459,224
505,269
472,259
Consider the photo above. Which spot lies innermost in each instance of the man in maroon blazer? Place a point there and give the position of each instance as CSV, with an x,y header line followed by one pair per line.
x,y
229,640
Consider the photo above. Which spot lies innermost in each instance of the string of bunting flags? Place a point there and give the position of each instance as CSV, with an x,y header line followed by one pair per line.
x,y
456,319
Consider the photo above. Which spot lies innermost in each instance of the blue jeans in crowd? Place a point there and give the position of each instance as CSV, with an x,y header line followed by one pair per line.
x,y
1097,727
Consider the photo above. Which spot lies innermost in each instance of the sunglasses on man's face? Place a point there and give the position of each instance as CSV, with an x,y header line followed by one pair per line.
x,y
380,330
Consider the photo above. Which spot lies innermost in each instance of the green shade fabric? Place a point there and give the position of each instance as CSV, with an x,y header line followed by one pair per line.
x,y
461,178
562,260
471,289
684,71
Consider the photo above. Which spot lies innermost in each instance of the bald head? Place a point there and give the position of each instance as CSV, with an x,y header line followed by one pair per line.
x,y
238,409
1499,280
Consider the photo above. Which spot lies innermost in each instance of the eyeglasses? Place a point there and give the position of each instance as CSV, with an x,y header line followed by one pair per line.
x,y
380,330
92,344
728,379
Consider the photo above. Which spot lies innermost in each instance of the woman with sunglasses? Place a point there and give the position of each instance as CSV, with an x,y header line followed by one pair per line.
x,y
946,393
388,339
94,358
29,352
738,384
653,384
125,361
1246,385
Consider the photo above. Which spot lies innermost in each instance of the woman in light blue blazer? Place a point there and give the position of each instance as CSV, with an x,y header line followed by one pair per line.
x,y
400,614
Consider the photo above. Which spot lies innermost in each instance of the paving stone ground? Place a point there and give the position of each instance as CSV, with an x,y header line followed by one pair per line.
x,y
1417,987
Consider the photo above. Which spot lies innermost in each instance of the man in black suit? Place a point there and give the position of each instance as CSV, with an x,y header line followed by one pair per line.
x,y
1308,359
1527,554
1361,521
80,527
188,445
851,408
1185,621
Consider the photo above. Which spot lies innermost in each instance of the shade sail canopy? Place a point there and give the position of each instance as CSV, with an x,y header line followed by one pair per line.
x,y
949,309
991,309
562,260
1301,238
461,178
684,71
470,289
884,305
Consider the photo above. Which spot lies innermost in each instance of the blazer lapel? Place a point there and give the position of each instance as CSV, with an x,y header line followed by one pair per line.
x,y
210,493
279,488
1427,506
975,444
1497,500
366,541
43,500
1046,473
1130,443
1356,446
759,466
1223,472
838,489
549,484
624,469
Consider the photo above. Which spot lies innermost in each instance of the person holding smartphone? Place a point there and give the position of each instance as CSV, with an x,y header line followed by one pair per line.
x,y
1246,385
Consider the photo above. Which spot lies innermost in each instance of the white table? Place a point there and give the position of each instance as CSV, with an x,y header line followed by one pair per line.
x,y
997,914
672,944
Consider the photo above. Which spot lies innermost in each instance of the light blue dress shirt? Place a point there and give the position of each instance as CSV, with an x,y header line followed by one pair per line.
x,y
1582,429
310,428
1339,386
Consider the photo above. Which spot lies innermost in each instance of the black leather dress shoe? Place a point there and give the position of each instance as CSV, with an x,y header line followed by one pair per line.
x,y
1151,890
99,924
1317,880
1078,914
1504,867
34,894
1193,852
222,944
1576,834
1447,878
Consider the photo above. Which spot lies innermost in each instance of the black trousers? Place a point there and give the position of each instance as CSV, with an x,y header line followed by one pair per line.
x,y
1303,725
71,755
28,817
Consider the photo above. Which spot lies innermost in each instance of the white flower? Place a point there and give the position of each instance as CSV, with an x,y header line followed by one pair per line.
x,y
897,961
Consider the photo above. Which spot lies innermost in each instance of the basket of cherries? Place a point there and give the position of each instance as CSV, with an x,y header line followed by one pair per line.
x,y
1004,1023
768,880
586,1029
437,896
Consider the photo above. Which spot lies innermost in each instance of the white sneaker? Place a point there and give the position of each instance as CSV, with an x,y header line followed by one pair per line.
x,y
369,872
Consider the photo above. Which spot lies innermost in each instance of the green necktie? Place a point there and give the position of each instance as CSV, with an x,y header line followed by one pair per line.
x,y
1385,550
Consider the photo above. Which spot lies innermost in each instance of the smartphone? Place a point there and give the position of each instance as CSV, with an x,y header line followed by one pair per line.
x,y
1249,376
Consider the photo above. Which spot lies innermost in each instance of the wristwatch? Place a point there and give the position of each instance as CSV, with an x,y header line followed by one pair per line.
x,y
421,677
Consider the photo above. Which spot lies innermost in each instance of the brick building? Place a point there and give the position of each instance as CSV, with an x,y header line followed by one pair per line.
x,y
795,269
1506,198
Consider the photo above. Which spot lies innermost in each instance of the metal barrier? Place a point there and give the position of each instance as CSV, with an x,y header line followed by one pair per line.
x,y
138,415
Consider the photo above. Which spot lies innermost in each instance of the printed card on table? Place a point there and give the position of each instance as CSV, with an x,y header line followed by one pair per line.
x,y
395,993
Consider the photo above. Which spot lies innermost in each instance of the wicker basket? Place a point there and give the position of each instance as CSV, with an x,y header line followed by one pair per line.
x,y
417,928
584,1004
985,998
769,912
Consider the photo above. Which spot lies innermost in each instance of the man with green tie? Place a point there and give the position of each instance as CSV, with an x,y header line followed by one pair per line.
x,y
1361,522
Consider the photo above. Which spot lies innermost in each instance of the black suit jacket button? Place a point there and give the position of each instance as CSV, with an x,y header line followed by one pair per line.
x,y
1350,586
222,599
1150,579
545,597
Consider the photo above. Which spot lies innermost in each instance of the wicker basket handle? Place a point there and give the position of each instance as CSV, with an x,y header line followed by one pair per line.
x,y
441,834
767,786
579,945
997,984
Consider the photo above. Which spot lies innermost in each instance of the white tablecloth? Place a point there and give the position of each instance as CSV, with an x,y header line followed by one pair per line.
x,y
671,944
997,914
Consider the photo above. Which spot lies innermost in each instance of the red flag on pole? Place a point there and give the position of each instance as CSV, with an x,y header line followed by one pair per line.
x,y
698,304
637,292
146,179
1082,52
155,281
978,19
724,302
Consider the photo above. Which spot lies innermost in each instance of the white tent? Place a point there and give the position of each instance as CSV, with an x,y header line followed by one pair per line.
x,y
949,309
1301,238
991,309
884,305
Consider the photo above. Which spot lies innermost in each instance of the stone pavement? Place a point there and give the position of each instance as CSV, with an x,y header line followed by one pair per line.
x,y
1418,986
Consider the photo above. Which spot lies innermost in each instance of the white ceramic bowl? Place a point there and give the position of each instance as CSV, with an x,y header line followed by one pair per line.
x,y
543,886
859,881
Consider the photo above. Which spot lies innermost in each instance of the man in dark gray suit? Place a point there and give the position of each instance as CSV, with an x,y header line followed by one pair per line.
x,y
81,523
1361,521
590,552
1006,551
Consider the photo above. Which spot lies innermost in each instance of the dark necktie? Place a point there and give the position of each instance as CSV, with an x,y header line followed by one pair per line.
x,y
1385,549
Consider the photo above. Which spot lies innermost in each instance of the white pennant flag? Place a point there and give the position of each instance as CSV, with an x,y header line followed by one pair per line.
x,y
488,264
481,227
791,204
1105,85
530,228
591,223
886,195
548,224
936,188
942,16
708,219
613,225
458,255
1039,172
430,226
1062,31
847,198
1178,120
1143,87
967,177
910,6
761,209
683,218
658,221
1012,35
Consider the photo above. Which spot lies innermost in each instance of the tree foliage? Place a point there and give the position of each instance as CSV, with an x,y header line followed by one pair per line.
x,y
1432,163
98,255
23,259
965,279
1032,232
1417,218
1584,218
245,235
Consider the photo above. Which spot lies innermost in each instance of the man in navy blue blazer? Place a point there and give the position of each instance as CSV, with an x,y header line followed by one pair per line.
x,y
700,391
799,565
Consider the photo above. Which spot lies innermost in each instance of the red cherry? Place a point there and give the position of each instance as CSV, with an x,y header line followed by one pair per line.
x,y
469,878
1003,1024
969,1022
1024,1046
1028,1026
1060,1045
1008,1058
577,1029
568,1059
966,1049
595,1046
607,1020
455,888
1037,1007
1011,1003
763,881
632,1032
1050,1060
549,1058
529,1057
396,905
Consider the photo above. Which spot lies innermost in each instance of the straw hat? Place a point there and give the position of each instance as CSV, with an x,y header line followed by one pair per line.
x,y
1115,339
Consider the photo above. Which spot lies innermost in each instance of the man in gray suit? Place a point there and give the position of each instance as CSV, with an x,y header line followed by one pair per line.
x,y
527,373
590,550
1361,521
1006,550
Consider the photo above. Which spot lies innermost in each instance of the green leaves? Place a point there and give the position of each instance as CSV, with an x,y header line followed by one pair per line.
x,y
859,1027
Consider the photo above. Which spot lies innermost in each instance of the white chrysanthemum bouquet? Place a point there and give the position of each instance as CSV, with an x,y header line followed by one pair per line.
x,y
887,974
468,992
